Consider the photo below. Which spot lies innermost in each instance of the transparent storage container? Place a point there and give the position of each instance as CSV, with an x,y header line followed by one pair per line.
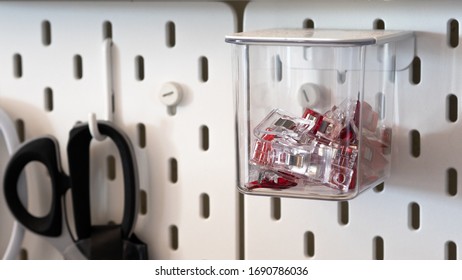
x,y
315,109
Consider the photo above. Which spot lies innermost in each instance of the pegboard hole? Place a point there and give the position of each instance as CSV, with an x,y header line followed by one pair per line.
x,y
278,68
143,202
378,248
379,24
414,136
139,68
451,181
309,244
141,129
452,110
174,241
414,216
17,66
78,67
173,164
416,69
170,34
203,69
453,33
46,33
21,130
23,254
107,30
451,250
276,208
341,76
379,188
48,97
205,205
205,138
343,213
308,23
111,167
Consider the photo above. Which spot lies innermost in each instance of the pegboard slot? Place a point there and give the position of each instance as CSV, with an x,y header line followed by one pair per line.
x,y
204,138
203,69
453,33
343,213
309,244
451,250
380,101
379,188
78,67
139,68
414,136
141,129
21,130
205,205
111,167
174,241
276,208
17,66
23,254
378,248
278,68
46,33
341,76
143,202
452,110
308,23
451,181
48,98
416,71
170,34
173,166
107,30
414,216
378,24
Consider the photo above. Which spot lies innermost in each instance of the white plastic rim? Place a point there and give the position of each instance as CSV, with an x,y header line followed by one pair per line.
x,y
8,132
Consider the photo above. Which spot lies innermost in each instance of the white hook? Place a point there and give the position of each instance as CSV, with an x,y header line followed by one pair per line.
x,y
92,123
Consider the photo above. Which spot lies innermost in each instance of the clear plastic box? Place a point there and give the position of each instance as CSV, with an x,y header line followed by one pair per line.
x,y
315,109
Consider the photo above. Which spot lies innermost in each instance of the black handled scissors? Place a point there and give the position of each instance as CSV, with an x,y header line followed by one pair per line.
x,y
91,242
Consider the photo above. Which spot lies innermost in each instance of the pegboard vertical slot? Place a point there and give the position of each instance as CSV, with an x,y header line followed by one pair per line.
x,y
203,69
278,68
451,250
378,248
78,67
170,34
23,254
48,98
173,166
451,181
204,137
20,129
46,33
414,216
205,206
276,208
309,244
17,66
452,110
453,33
414,136
308,23
141,129
139,68
416,71
174,241
343,213
378,24
107,30
111,167
143,202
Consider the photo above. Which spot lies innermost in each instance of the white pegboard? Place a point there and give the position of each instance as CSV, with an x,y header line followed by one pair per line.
x,y
199,137
380,223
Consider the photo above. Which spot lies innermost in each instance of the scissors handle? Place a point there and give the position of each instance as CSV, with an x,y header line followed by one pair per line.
x,y
44,150
78,151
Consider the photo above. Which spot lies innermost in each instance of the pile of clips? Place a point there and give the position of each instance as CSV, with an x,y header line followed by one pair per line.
x,y
320,148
